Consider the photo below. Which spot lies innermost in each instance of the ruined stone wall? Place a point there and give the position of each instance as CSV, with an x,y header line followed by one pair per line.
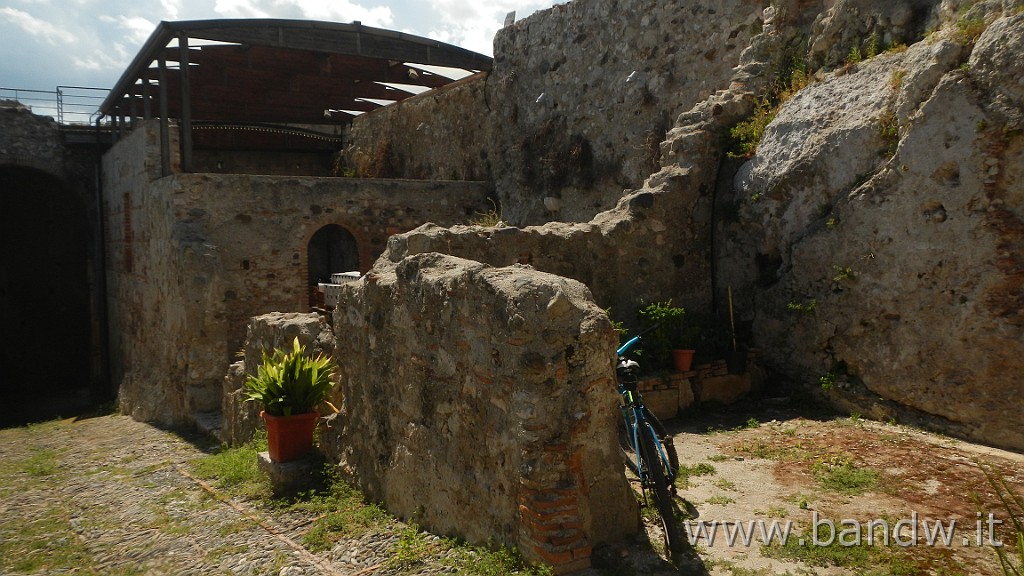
x,y
29,140
874,227
265,333
579,100
481,402
443,134
583,93
65,208
193,256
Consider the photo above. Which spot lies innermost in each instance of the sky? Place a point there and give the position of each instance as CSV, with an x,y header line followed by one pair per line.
x,y
50,43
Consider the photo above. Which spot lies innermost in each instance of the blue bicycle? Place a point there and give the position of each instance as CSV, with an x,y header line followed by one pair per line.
x,y
648,450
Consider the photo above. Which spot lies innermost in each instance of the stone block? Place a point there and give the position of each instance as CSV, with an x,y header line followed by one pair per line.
x,y
684,388
724,389
663,402
287,477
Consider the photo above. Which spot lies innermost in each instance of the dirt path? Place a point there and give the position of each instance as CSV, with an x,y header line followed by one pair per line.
x,y
756,465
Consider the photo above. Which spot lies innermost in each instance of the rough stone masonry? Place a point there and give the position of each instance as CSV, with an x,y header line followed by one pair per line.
x,y
481,402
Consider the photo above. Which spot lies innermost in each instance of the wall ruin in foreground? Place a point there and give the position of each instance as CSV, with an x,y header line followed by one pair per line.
x,y
494,431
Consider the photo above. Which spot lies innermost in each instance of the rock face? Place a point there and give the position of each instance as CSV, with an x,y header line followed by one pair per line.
x,y
879,240
481,402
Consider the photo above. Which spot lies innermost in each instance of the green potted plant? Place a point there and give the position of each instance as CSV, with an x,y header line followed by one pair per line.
x,y
289,384
673,342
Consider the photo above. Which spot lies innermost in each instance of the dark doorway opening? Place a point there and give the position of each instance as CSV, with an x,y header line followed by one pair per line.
x,y
332,249
45,313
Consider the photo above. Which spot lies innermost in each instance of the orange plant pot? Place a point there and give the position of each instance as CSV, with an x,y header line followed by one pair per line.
x,y
682,359
289,437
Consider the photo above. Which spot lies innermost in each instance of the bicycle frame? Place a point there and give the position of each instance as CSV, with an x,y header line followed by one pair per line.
x,y
653,460
634,414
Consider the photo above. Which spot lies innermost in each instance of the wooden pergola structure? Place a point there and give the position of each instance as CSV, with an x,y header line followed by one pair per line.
x,y
296,77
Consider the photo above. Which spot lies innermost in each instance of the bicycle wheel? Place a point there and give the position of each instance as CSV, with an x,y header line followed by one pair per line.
x,y
626,443
659,484
667,444
629,451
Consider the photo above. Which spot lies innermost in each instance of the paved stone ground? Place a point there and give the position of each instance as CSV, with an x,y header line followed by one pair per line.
x,y
109,495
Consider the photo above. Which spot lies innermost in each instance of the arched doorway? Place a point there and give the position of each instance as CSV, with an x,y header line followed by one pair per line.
x,y
331,249
45,313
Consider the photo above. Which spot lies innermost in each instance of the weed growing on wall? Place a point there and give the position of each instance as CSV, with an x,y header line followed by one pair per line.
x,y
746,135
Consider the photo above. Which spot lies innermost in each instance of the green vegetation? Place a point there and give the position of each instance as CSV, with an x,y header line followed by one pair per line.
x,y
747,135
803,307
341,512
724,484
489,219
969,28
673,332
792,76
1013,506
896,80
854,57
686,472
290,382
844,546
842,273
236,469
827,381
42,462
872,47
889,129
841,474
719,500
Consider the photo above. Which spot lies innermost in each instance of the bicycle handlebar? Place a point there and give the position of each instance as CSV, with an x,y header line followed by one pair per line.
x,y
629,343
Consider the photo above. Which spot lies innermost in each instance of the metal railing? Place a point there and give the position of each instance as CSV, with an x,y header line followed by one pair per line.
x,y
68,105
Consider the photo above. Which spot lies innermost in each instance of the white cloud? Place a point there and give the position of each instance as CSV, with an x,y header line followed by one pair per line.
x,y
472,25
331,10
170,9
133,30
47,31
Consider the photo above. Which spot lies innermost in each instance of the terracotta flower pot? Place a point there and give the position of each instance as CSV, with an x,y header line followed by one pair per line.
x,y
289,437
682,359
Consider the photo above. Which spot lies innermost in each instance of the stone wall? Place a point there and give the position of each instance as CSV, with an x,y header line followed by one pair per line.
x,y
907,115
574,111
265,333
52,264
443,134
481,403
583,93
191,257
29,140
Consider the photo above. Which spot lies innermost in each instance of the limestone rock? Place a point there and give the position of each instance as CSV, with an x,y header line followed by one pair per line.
x,y
879,248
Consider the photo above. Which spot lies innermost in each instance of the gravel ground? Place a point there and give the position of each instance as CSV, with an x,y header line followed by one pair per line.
x,y
109,495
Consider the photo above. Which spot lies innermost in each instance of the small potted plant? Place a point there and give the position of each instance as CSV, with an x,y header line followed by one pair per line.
x,y
289,384
672,343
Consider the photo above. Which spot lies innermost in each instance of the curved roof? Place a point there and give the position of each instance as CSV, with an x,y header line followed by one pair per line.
x,y
280,71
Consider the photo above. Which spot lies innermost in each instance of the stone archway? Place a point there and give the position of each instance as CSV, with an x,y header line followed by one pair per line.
x,y
44,298
331,249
